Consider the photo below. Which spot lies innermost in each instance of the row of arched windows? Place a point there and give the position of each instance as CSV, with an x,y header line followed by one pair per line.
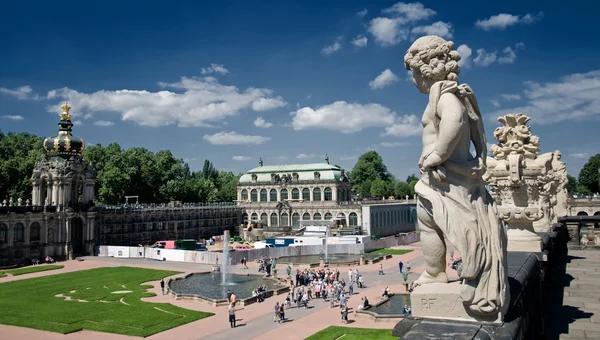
x,y
283,219
19,232
271,196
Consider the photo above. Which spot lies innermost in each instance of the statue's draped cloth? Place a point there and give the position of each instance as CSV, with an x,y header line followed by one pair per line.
x,y
466,213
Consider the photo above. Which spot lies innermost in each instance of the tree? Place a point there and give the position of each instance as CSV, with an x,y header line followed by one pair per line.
x,y
411,185
401,190
368,168
412,178
572,184
18,154
589,176
380,188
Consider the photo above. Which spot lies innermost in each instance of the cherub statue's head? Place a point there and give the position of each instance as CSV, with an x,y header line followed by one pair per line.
x,y
432,59
557,154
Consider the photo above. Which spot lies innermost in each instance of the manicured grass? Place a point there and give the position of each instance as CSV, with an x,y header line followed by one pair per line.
x,y
387,251
349,333
32,269
86,301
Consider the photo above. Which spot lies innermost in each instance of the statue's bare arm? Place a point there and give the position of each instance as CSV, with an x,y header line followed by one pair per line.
x,y
451,114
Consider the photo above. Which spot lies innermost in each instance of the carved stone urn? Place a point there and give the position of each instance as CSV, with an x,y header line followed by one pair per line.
x,y
518,180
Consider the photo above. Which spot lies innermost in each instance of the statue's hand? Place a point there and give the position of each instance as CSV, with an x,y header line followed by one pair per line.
x,y
432,160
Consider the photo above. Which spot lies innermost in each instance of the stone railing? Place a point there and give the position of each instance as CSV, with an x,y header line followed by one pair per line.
x,y
28,209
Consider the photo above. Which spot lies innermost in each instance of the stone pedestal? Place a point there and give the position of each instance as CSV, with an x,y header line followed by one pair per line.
x,y
362,260
443,301
520,238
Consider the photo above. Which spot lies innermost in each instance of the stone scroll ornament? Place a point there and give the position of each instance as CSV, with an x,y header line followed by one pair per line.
x,y
521,181
453,203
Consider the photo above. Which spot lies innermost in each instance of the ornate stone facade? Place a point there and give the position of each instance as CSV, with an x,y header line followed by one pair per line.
x,y
521,181
283,195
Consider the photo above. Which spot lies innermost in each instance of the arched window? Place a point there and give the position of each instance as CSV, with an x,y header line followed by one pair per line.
x,y
353,219
263,219
328,217
254,195
306,194
19,232
244,195
273,195
285,221
34,232
316,194
245,217
317,217
254,217
263,195
327,192
284,194
295,220
274,220
3,233
295,194
306,216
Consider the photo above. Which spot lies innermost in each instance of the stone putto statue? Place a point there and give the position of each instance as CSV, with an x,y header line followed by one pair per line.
x,y
453,203
560,175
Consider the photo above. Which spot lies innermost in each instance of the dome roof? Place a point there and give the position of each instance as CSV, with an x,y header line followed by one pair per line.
x,y
65,144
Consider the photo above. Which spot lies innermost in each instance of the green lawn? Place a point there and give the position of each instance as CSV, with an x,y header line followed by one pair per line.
x,y
388,251
30,269
349,333
88,302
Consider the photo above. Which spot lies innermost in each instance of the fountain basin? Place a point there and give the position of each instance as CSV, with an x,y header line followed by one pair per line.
x,y
389,309
332,259
207,286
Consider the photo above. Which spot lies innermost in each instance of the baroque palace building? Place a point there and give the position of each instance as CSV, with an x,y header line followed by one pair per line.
x,y
283,195
62,221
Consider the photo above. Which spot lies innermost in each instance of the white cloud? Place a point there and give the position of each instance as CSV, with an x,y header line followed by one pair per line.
x,y
331,49
348,158
495,103
510,97
520,45
266,104
391,31
360,41
13,117
387,31
215,68
231,138
504,20
22,92
385,79
392,144
261,123
306,156
241,158
583,155
103,123
342,116
509,56
465,56
77,123
362,13
203,102
484,58
439,28
405,126
410,11
574,97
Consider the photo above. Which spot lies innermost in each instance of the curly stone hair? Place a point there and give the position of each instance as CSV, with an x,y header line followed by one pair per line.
x,y
434,57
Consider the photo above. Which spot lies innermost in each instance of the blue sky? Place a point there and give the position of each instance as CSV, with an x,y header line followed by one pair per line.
x,y
289,81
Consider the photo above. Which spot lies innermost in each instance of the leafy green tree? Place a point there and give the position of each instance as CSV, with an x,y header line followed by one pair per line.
x,y
380,188
572,184
364,189
368,168
589,176
411,185
412,178
401,190
18,154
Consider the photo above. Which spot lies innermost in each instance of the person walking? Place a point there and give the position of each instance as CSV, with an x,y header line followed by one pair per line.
x,y
400,265
162,286
351,288
231,315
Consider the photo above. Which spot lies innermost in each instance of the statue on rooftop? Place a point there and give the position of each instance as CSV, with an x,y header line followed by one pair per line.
x,y
453,203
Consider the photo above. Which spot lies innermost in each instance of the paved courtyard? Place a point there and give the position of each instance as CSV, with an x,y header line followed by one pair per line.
x,y
579,315
256,320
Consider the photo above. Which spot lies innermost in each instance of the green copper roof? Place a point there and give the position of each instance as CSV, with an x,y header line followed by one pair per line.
x,y
306,172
